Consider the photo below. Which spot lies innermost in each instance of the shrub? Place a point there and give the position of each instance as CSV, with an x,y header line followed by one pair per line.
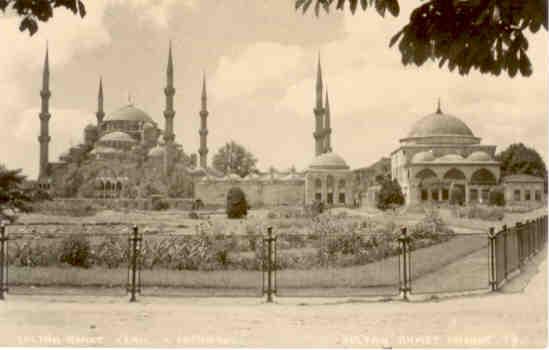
x,y
160,205
76,251
237,206
497,197
390,195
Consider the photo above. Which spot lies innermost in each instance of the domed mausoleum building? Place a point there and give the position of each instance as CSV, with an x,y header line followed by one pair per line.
x,y
441,153
328,180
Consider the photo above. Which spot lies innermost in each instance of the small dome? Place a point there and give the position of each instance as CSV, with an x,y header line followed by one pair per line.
x,y
148,125
90,127
157,151
117,136
425,156
130,113
450,158
330,160
440,124
479,156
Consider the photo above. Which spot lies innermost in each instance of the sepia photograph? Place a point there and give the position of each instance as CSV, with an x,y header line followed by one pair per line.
x,y
274,173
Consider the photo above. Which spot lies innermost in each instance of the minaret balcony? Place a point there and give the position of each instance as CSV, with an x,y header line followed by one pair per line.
x,y
44,138
45,94
45,116
169,90
203,132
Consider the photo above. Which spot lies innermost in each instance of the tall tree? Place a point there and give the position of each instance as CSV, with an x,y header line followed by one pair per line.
x,y
390,195
234,158
520,159
34,11
484,35
14,197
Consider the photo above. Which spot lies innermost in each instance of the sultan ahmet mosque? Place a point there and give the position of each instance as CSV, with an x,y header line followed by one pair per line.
x,y
126,154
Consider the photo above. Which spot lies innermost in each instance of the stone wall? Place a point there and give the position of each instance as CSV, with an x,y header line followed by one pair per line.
x,y
258,193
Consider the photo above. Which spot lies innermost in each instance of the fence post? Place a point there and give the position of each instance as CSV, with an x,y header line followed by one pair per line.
x,y
404,240
492,238
3,241
269,264
504,229
520,244
135,238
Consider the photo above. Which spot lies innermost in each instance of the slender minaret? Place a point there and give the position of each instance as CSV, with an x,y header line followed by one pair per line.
x,y
319,112
100,114
203,151
439,111
169,114
45,116
327,126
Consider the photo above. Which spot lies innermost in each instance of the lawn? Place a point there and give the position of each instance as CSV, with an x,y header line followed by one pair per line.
x,y
461,263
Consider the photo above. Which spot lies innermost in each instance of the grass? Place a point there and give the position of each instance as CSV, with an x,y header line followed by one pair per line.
x,y
460,263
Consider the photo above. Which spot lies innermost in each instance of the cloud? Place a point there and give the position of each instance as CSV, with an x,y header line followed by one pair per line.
x,y
263,64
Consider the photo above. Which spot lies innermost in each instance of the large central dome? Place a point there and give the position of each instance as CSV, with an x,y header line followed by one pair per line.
x,y
439,124
130,113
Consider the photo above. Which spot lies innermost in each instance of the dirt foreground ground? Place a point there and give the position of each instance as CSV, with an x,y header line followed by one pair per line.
x,y
515,317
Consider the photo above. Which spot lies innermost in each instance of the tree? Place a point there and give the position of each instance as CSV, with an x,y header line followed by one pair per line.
x,y
234,158
486,35
497,196
390,195
36,11
237,206
519,159
14,197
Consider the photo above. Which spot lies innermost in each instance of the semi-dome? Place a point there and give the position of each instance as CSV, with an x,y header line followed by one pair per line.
x,y
118,136
130,113
479,156
425,156
330,160
440,124
450,158
157,151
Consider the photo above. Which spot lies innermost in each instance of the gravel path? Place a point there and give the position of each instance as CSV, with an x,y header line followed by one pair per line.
x,y
515,317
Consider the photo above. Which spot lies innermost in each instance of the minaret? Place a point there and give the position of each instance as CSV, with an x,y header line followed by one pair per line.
x,y
169,114
100,114
203,151
327,126
45,116
319,112
439,111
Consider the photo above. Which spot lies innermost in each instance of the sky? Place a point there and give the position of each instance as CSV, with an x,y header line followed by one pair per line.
x,y
259,58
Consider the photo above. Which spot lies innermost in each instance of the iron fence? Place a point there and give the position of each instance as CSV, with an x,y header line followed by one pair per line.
x,y
79,259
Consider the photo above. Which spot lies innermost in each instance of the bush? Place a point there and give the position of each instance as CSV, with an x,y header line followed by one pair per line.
x,y
497,197
75,251
160,205
390,195
237,206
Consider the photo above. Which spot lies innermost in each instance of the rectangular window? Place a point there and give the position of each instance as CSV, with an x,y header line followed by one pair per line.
x,y
473,195
516,195
424,195
445,194
527,195
434,195
538,196
484,195
342,198
330,199
318,196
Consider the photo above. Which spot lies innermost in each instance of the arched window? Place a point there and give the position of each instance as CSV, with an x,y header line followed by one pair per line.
x,y
426,174
454,174
483,177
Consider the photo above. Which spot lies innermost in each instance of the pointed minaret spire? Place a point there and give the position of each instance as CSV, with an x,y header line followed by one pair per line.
x,y
100,114
203,132
327,126
318,110
169,114
319,84
439,111
44,138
